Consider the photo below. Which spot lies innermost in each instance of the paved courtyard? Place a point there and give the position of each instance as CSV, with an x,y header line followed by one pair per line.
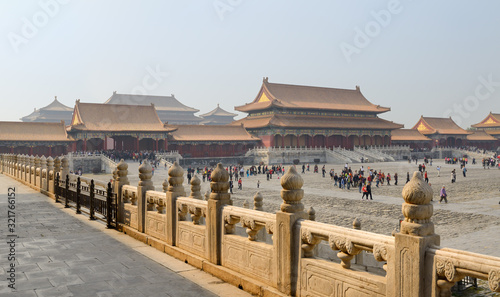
x,y
58,253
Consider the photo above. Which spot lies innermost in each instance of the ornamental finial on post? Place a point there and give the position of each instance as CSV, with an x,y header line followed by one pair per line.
x,y
195,188
175,178
145,175
417,209
292,192
219,184
122,172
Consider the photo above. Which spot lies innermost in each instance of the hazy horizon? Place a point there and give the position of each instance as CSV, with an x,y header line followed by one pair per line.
x,y
418,58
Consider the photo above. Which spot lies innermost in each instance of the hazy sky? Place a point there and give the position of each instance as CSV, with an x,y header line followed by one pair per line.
x,y
432,58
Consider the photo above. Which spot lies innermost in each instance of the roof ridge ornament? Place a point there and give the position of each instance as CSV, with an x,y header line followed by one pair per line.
x,y
265,79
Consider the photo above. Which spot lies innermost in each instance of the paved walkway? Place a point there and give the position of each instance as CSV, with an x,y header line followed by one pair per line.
x,y
58,253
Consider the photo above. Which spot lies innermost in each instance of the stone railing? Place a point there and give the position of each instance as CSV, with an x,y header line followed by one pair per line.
x,y
171,156
453,265
277,253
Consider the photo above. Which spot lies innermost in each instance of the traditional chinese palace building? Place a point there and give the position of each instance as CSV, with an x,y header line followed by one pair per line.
x,y
33,138
490,125
211,140
169,109
410,137
218,116
298,116
130,127
443,131
55,112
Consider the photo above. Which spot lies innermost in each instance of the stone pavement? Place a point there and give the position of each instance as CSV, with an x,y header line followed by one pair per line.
x,y
59,253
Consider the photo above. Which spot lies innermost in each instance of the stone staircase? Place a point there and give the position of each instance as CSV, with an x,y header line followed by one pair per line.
x,y
374,155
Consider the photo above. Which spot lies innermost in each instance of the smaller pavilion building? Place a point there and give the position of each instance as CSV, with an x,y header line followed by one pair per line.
x,y
413,138
198,141
121,127
482,140
55,112
218,116
443,131
169,109
490,125
33,138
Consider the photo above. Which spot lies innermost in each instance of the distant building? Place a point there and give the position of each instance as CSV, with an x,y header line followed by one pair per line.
x,y
211,141
482,140
32,138
410,137
130,127
55,112
218,116
490,125
299,116
169,109
443,131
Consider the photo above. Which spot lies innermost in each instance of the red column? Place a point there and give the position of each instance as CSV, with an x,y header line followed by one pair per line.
x,y
31,150
156,145
12,150
137,144
298,137
105,143
372,140
282,140
50,150
85,144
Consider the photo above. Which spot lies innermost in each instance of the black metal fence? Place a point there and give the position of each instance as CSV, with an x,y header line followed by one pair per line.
x,y
98,204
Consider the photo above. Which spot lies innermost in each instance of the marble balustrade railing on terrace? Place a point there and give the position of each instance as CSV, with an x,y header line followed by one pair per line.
x,y
202,233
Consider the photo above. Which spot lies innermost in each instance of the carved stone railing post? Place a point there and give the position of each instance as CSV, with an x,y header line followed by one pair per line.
x,y
356,225
175,189
57,166
257,202
145,184
50,175
36,175
417,233
165,185
64,167
217,199
43,173
288,242
31,170
121,179
195,188
19,166
311,214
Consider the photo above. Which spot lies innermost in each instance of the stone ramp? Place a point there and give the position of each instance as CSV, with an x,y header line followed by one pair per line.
x,y
59,253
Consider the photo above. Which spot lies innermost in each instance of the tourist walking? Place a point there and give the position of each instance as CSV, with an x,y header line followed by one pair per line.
x,y
407,177
443,195
365,193
453,176
439,170
369,191
426,177
395,179
464,170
